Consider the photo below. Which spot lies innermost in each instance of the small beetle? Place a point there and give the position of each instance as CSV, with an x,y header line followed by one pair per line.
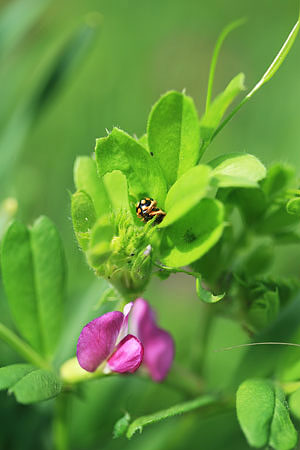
x,y
146,209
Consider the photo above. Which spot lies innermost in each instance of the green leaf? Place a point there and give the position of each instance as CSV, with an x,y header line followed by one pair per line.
x,y
185,193
217,109
83,217
33,269
100,243
277,220
263,310
116,186
141,422
263,415
86,179
173,134
277,179
251,202
205,295
293,206
36,386
121,426
9,375
195,233
294,404
121,152
259,259
237,170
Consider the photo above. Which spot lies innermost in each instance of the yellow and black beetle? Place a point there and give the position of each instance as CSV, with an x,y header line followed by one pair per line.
x,y
146,209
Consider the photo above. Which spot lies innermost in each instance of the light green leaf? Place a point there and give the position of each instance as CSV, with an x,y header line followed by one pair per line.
x,y
294,404
33,269
100,243
263,415
217,109
9,375
141,422
86,179
116,186
185,193
173,134
36,386
121,152
195,233
205,295
237,170
83,217
293,206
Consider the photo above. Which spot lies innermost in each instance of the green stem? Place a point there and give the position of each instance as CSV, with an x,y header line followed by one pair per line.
x,y
181,408
60,428
22,348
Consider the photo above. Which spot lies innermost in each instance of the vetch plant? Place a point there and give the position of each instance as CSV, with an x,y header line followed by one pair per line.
x,y
151,206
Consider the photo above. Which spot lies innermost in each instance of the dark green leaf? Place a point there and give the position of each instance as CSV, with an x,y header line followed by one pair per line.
x,y
33,268
9,375
259,259
173,134
83,216
251,202
263,310
87,180
205,295
195,233
277,220
121,152
185,193
263,415
36,386
237,170
277,179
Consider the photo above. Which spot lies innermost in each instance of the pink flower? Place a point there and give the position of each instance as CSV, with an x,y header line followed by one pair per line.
x,y
106,340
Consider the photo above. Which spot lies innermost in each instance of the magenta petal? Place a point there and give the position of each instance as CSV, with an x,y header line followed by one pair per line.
x,y
158,344
128,355
97,340
158,353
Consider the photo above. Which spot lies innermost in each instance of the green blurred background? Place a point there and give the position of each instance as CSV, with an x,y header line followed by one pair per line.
x,y
71,70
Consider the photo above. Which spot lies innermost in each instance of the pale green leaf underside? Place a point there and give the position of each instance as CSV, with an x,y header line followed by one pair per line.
x,y
187,191
237,170
9,375
29,384
141,422
174,135
263,415
33,269
36,386
205,295
293,206
119,151
86,179
195,233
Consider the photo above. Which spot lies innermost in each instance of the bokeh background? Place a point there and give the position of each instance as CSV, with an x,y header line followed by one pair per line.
x,y
71,70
